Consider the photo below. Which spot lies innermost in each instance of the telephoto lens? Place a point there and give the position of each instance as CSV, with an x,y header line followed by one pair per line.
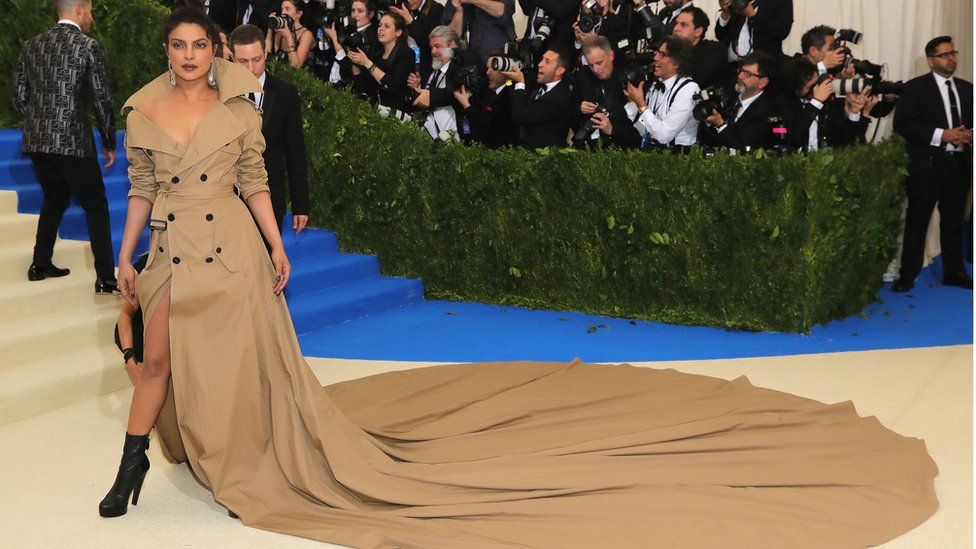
x,y
505,64
848,35
282,21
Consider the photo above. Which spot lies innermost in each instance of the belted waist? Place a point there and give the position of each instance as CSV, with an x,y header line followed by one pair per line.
x,y
195,192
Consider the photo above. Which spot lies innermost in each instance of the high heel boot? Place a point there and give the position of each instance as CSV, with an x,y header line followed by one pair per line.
x,y
132,471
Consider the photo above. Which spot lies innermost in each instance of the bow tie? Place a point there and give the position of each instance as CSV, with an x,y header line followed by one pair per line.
x,y
658,85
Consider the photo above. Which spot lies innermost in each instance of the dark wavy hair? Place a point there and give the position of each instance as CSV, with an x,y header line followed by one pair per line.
x,y
681,52
192,16
400,24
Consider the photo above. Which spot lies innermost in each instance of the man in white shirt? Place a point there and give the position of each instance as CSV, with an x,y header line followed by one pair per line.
x,y
435,91
663,116
935,116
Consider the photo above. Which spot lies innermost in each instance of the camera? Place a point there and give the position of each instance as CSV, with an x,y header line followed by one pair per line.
x,y
359,41
590,15
636,66
584,132
848,35
844,86
514,58
652,23
336,12
468,76
282,21
709,99
418,117
543,28
740,5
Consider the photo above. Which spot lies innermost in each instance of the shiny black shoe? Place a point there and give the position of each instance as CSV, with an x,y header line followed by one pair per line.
x,y
902,285
231,514
132,472
35,273
961,280
106,286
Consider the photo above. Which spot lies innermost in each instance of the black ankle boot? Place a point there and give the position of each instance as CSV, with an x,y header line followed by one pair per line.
x,y
132,471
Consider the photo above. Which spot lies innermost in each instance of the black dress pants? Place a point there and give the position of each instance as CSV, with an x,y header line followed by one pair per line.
x,y
946,183
61,177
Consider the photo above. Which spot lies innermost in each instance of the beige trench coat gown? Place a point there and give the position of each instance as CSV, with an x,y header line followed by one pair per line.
x,y
463,456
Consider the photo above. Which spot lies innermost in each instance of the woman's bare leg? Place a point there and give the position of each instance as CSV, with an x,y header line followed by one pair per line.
x,y
153,384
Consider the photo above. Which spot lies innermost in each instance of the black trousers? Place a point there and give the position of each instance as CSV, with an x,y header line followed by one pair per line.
x,y
947,182
62,177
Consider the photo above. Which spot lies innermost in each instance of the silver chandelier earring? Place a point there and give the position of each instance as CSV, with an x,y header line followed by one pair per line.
x,y
172,75
212,75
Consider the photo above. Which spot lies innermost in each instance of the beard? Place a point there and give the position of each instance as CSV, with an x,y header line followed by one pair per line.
x,y
437,64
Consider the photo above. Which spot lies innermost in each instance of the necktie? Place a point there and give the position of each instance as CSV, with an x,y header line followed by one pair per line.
x,y
953,105
252,97
735,110
538,93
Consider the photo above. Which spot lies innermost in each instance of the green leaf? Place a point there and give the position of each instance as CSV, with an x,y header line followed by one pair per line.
x,y
611,222
776,231
630,229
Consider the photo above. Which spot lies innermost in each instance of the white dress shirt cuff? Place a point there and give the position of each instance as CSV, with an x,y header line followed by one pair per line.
x,y
721,128
340,55
937,137
519,86
854,117
821,68
816,104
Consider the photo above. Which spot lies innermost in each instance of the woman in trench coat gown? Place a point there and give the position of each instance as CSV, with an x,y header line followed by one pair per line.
x,y
489,455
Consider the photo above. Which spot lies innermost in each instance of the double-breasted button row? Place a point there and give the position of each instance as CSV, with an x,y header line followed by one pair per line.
x,y
203,177
176,260
209,217
209,260
175,179
171,217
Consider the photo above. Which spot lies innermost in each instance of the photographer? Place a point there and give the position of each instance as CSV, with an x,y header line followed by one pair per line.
x,y
672,9
813,119
596,18
386,72
664,115
558,14
485,25
544,117
601,100
819,46
281,127
434,87
290,41
747,124
361,15
421,17
490,111
709,62
748,26
935,116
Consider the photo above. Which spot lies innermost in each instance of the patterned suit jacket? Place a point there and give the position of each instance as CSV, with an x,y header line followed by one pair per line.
x,y
57,73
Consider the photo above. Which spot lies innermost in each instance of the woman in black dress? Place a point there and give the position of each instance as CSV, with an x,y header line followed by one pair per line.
x,y
385,71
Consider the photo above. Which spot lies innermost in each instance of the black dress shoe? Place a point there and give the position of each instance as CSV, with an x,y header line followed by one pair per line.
x,y
231,514
106,286
961,280
902,285
40,273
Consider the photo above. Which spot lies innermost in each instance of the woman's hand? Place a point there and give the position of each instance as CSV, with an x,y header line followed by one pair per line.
x,y
133,368
358,57
282,269
127,283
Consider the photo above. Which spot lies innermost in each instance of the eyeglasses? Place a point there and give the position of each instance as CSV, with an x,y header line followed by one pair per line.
x,y
750,73
946,55
662,53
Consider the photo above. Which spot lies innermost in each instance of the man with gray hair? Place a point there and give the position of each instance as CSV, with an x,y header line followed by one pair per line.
x,y
435,85
55,74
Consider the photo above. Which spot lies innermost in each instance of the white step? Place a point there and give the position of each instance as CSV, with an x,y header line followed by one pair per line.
x,y
23,299
58,332
59,380
16,256
8,202
18,227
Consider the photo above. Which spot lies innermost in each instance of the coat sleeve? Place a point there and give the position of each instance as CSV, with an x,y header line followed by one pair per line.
x,y
102,96
252,178
774,21
142,172
910,120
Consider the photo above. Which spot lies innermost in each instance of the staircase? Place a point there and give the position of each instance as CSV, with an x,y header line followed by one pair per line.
x,y
56,337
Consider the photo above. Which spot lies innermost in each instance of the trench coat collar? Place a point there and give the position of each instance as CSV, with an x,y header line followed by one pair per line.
x,y
219,125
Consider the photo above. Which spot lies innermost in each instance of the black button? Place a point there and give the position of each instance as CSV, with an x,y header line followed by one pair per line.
x,y
148,152
176,260
160,249
209,217
203,177
175,179
209,260
171,217
218,249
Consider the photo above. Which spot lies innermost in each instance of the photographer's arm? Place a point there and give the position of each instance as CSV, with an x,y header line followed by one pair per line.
x,y
493,8
453,15
910,121
774,20
561,10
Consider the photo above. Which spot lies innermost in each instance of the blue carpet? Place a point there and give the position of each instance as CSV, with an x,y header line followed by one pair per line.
x,y
440,331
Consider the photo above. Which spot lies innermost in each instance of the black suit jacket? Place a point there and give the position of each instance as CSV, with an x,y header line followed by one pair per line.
x,y
544,123
771,25
710,62
750,130
490,116
563,11
920,111
608,93
834,128
424,22
228,14
392,90
284,146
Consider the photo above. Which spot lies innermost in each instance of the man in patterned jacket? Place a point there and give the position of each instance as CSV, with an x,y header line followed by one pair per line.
x,y
55,74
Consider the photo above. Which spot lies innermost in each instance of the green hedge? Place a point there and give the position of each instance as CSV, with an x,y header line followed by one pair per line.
x,y
130,31
747,242
732,241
